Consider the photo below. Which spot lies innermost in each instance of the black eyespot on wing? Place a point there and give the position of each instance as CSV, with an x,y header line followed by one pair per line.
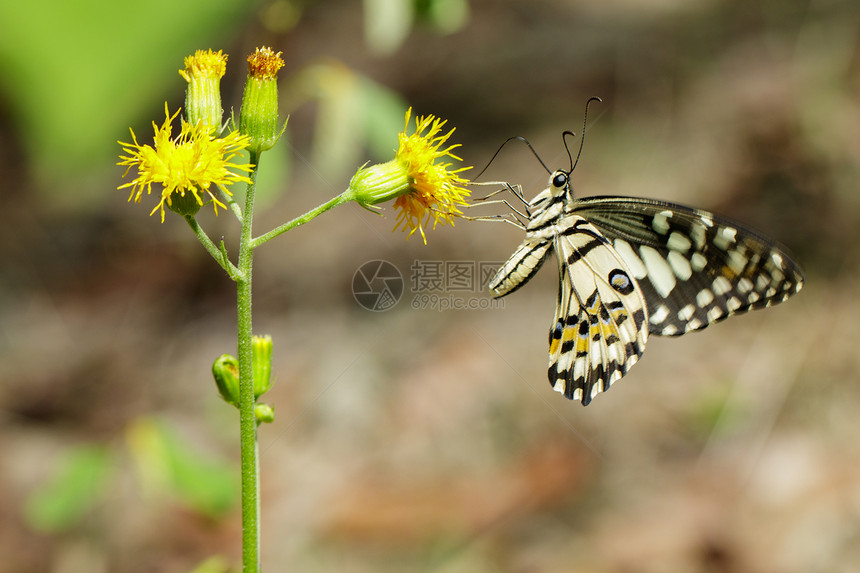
x,y
620,281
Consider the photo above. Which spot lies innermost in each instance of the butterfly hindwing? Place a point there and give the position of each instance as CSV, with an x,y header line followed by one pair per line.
x,y
600,326
694,267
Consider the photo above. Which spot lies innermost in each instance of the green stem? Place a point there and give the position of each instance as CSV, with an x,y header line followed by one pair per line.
x,y
344,197
231,204
247,423
210,247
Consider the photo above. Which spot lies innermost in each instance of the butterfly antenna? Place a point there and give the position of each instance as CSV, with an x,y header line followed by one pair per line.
x,y
499,150
584,126
564,135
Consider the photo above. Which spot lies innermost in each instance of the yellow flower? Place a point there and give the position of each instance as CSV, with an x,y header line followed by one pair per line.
x,y
422,188
203,72
258,116
186,166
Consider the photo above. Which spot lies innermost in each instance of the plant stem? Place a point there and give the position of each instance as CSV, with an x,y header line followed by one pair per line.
x,y
247,423
344,197
211,248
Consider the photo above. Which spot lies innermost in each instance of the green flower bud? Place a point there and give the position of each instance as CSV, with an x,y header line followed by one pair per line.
x,y
380,182
258,117
261,349
183,203
225,370
264,414
203,72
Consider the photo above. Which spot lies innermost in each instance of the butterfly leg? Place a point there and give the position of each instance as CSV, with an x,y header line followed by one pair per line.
x,y
515,190
509,218
515,217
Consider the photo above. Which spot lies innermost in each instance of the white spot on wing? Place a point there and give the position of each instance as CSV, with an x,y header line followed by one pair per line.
x,y
627,253
698,261
659,272
686,313
678,242
725,237
698,234
721,285
704,297
777,259
669,330
680,265
661,222
659,315
737,261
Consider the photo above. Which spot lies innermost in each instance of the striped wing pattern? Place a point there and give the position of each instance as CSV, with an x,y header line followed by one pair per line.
x,y
694,267
600,327
631,267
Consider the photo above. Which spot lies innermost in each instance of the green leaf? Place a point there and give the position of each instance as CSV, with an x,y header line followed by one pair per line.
x,y
384,112
78,485
76,75
338,130
168,462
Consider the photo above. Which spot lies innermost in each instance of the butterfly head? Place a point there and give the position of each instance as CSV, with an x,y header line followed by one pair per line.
x,y
559,183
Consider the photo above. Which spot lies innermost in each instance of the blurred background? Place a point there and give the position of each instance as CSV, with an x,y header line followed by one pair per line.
x,y
425,438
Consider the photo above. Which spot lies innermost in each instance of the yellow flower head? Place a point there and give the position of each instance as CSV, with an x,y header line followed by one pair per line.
x,y
185,166
258,116
203,72
205,64
423,188
264,63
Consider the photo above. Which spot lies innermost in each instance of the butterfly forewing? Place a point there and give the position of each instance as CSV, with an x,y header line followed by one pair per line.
x,y
694,267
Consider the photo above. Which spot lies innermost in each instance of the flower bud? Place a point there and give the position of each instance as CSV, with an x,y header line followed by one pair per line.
x,y
261,350
380,182
258,117
203,72
264,414
225,370
183,203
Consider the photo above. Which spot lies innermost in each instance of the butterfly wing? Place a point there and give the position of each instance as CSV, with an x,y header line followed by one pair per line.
x,y
521,266
600,327
693,267
533,251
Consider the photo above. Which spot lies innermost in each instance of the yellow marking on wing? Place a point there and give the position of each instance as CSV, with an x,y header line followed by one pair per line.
x,y
568,334
583,343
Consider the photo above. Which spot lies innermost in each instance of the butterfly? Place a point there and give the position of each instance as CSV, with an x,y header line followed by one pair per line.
x,y
632,267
